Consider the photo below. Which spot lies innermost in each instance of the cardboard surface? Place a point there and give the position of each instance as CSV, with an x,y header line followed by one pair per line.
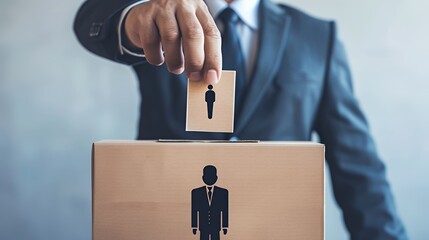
x,y
142,189
221,99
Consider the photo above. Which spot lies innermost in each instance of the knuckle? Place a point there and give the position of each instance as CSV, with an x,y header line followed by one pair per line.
x,y
185,4
215,60
172,66
213,63
148,41
141,19
145,18
154,60
193,31
195,64
171,35
203,6
212,31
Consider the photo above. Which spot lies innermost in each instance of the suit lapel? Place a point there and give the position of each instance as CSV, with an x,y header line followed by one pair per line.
x,y
274,26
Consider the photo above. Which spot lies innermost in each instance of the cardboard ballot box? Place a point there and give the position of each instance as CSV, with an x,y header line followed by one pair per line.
x,y
154,190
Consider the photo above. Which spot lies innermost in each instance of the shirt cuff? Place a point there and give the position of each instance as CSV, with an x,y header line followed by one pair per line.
x,y
122,49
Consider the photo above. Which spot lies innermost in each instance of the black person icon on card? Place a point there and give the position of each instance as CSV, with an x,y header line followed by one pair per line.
x,y
210,100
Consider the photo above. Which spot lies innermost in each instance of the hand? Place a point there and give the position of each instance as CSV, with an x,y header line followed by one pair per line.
x,y
185,30
194,231
225,231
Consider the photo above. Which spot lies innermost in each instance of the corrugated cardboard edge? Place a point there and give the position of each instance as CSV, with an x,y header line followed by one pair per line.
x,y
324,191
246,142
92,188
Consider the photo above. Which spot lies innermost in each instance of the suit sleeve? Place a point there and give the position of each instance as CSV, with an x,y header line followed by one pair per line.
x,y
96,25
225,211
358,174
194,211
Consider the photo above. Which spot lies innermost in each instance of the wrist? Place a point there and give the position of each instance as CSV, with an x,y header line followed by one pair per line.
x,y
124,40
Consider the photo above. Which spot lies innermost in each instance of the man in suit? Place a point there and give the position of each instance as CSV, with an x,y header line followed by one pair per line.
x,y
293,79
209,207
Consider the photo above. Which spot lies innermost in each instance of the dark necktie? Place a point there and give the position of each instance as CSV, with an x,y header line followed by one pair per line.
x,y
232,57
210,193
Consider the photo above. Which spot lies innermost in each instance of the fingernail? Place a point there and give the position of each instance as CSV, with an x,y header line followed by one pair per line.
x,y
177,71
212,77
195,76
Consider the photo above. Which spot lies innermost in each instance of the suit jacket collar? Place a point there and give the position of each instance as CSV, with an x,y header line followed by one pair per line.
x,y
274,28
247,10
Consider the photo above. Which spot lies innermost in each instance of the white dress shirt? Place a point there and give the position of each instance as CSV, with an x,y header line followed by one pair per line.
x,y
247,27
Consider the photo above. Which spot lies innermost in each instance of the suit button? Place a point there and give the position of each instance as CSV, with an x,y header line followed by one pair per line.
x,y
95,29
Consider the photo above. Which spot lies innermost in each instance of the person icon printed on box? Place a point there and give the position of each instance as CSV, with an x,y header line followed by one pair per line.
x,y
209,207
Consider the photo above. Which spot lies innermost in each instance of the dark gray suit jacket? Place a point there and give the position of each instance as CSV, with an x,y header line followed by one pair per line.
x,y
301,84
209,217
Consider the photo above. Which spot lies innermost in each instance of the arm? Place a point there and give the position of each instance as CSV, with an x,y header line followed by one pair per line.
x,y
358,174
184,29
225,213
194,211
95,27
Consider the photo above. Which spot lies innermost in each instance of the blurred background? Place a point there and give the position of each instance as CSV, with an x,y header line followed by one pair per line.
x,y
56,99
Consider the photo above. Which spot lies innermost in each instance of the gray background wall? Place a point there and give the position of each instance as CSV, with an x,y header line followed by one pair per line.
x,y
56,99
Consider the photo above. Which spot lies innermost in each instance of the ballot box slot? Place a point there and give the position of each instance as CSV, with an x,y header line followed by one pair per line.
x,y
205,141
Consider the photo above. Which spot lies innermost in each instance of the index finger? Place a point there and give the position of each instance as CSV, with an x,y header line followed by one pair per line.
x,y
192,42
212,46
